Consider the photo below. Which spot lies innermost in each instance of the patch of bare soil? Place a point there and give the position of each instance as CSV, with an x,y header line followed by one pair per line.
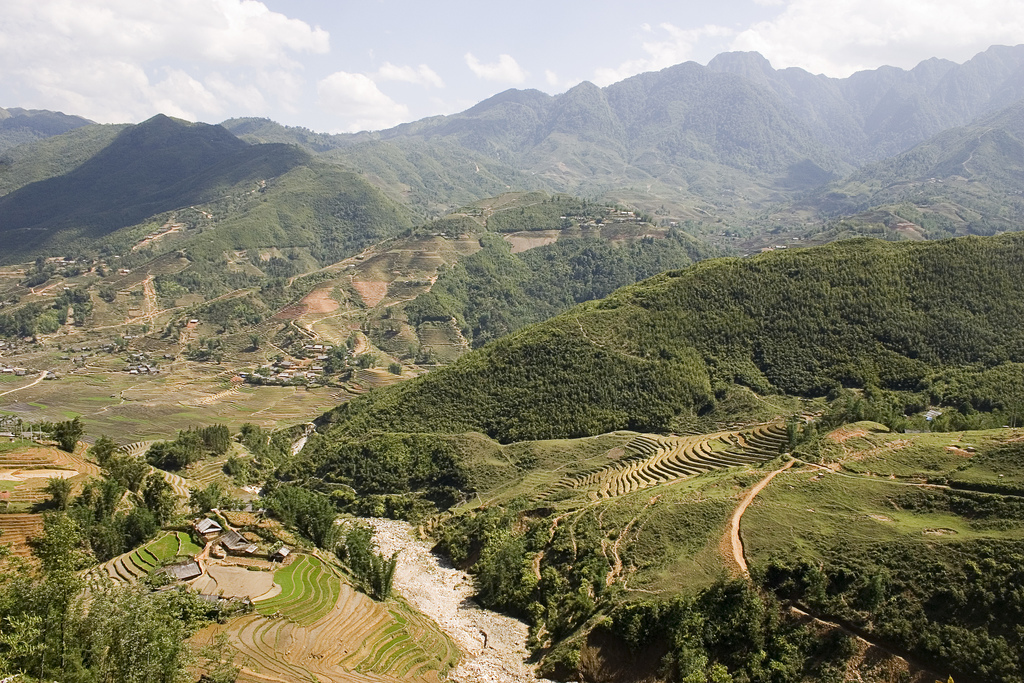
x,y
293,312
444,594
840,435
372,292
524,241
320,302
239,582
22,475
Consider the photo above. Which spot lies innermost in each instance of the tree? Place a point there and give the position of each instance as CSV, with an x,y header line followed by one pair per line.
x,y
67,434
134,636
204,500
102,450
220,661
129,471
59,549
59,490
159,498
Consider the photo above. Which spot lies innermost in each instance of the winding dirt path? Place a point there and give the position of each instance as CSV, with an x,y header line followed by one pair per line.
x,y
26,386
444,594
734,541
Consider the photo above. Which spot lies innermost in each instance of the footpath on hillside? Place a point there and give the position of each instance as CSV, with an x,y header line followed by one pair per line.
x,y
734,541
444,594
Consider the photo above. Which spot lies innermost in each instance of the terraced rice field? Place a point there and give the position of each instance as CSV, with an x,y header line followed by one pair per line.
x,y
357,639
16,529
410,646
134,565
656,459
374,378
137,449
46,456
25,470
309,589
179,484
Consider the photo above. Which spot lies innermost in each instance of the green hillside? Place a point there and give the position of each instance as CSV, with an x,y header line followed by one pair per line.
x,y
936,322
73,194
21,126
156,166
495,291
54,156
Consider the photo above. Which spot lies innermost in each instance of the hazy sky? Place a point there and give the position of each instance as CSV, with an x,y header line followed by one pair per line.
x,y
337,65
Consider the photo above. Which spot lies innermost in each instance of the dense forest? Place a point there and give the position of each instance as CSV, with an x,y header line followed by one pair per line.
x,y
931,323
494,291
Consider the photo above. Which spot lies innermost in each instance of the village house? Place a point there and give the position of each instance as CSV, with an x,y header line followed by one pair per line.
x,y
236,544
207,528
185,571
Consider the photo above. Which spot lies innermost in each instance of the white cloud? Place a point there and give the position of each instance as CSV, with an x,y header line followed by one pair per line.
x,y
677,47
505,70
356,99
420,75
112,59
838,37
558,84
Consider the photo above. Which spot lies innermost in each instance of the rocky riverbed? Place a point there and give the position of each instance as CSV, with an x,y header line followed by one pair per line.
x,y
445,594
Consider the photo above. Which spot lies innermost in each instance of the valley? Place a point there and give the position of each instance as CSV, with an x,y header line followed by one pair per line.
x,y
713,374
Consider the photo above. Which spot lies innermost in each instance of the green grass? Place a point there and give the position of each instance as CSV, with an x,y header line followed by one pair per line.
x,y
185,544
164,548
309,590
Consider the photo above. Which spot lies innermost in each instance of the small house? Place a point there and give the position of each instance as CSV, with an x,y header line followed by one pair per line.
x,y
236,544
208,526
280,554
185,571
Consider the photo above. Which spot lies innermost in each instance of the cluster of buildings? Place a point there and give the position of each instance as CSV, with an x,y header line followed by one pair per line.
x,y
289,371
232,542
140,364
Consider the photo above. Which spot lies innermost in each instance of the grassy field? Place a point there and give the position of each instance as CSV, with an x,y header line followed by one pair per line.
x,y
132,409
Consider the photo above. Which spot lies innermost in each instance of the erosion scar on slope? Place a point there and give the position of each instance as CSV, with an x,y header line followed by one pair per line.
x,y
735,542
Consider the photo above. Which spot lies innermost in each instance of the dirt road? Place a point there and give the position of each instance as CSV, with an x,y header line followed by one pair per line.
x,y
444,594
30,384
735,542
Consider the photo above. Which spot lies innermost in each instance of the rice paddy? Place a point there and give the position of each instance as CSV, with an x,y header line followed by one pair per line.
x,y
318,626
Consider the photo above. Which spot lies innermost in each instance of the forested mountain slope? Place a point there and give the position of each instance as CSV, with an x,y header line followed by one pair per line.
x,y
710,143
496,291
939,322
20,126
163,165
966,180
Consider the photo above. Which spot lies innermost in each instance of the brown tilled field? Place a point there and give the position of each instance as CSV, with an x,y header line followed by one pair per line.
x,y
16,529
524,241
372,292
25,471
239,582
320,302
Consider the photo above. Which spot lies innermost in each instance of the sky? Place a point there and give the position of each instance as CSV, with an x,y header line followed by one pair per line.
x,y
342,66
